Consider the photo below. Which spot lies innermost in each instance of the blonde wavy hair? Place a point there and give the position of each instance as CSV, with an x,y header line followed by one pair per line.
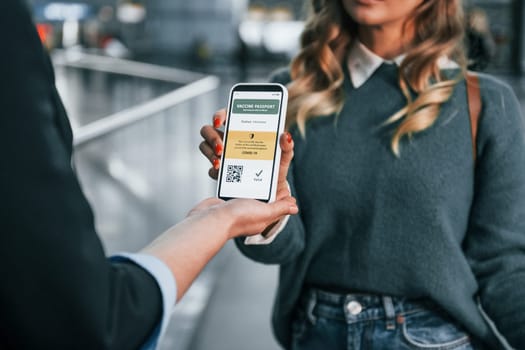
x,y
316,88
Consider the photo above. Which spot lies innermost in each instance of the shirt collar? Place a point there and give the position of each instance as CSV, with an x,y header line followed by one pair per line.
x,y
362,63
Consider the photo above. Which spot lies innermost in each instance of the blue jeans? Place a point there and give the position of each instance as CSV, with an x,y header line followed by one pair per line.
x,y
332,321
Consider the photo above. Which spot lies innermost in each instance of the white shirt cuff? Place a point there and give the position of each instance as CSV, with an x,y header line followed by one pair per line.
x,y
168,288
270,236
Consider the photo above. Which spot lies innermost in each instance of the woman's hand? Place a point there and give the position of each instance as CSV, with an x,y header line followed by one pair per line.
x,y
249,216
212,148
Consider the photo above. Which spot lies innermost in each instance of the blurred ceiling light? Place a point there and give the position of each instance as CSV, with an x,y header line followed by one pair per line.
x,y
256,13
57,11
280,13
282,36
131,13
251,32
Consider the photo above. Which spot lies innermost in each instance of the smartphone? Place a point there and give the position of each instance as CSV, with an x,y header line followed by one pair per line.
x,y
251,153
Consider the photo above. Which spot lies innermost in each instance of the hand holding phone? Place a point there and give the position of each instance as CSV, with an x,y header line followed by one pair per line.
x,y
250,152
250,163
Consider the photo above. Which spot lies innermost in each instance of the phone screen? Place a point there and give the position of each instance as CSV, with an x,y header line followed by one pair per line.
x,y
251,142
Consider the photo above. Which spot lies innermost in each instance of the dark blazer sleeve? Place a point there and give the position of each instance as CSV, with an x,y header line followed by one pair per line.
x,y
57,288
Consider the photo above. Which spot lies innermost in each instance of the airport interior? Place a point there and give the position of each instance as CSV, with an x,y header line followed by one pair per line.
x,y
139,78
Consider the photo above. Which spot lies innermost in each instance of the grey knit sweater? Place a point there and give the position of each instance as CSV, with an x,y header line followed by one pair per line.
x,y
429,224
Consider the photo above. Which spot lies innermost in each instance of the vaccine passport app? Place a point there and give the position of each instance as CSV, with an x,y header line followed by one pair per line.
x,y
250,144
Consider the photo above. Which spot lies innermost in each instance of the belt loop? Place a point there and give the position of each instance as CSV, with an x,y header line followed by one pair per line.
x,y
312,300
390,312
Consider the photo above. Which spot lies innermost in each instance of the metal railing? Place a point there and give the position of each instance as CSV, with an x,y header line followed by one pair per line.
x,y
119,120
195,84
78,59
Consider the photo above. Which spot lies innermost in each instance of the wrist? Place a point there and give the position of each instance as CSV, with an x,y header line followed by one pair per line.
x,y
224,221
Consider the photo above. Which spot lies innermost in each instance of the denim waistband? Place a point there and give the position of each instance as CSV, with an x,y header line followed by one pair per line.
x,y
356,307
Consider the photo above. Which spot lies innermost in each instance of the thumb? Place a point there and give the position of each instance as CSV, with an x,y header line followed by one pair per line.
x,y
286,144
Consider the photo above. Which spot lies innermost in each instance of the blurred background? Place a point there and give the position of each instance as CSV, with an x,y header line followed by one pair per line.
x,y
139,78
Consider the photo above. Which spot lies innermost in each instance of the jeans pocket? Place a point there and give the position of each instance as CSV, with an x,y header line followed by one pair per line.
x,y
428,329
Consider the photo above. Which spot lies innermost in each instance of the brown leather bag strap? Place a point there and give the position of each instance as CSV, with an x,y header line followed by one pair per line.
x,y
474,107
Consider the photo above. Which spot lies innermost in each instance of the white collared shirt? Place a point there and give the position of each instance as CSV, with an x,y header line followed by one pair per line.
x,y
362,63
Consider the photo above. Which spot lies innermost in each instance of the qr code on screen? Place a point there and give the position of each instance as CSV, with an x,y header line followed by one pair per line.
x,y
233,173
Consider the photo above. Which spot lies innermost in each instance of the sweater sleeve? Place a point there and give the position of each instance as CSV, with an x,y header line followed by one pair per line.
x,y
289,243
495,243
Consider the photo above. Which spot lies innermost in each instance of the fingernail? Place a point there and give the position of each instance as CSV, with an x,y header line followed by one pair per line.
x,y
216,163
216,122
289,137
218,149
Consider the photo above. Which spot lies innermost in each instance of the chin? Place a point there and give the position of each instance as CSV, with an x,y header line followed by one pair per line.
x,y
368,19
368,16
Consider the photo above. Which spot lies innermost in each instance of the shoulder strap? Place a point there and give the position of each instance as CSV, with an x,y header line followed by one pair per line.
x,y
474,107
